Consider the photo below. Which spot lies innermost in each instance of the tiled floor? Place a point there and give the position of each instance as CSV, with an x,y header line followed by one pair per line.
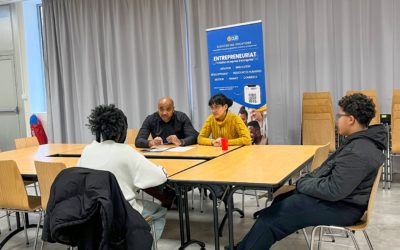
x,y
383,231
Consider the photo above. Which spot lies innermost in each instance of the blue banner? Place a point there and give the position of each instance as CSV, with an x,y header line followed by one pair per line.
x,y
236,63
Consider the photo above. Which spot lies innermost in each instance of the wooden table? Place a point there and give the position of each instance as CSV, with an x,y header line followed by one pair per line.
x,y
196,152
257,167
26,157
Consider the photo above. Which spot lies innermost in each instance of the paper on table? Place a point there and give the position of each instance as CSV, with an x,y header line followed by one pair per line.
x,y
179,149
155,149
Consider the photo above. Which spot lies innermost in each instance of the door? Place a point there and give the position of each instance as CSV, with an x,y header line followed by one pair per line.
x,y
10,126
12,118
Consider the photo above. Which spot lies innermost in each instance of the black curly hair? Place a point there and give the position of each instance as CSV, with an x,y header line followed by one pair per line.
x,y
254,124
108,123
220,99
360,106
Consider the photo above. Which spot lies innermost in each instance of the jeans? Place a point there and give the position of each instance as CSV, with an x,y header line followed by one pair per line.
x,y
158,214
293,211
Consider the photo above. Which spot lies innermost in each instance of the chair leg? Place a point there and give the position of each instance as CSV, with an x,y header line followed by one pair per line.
x,y
243,200
331,235
201,199
321,231
354,241
37,230
257,201
8,220
313,237
306,238
192,197
368,241
25,229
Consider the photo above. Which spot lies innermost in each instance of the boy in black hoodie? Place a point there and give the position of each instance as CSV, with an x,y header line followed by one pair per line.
x,y
337,192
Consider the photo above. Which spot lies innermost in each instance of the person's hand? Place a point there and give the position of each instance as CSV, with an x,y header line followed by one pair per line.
x,y
217,142
156,142
174,140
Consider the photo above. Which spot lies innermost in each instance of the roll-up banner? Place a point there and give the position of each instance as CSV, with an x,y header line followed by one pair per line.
x,y
236,63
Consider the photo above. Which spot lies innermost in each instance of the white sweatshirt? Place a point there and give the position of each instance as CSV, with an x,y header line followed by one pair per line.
x,y
132,170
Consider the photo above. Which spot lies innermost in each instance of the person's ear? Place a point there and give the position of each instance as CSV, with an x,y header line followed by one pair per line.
x,y
352,120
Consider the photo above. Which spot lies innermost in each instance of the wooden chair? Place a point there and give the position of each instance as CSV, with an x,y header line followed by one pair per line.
x,y
8,218
321,154
372,94
131,135
26,142
13,195
46,173
395,128
361,225
318,123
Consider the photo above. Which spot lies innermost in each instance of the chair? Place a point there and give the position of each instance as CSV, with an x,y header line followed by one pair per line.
x,y
372,94
13,196
318,123
395,124
8,218
360,225
46,173
321,154
131,135
26,142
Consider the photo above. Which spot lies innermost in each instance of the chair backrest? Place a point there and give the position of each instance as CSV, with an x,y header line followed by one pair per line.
x,y
131,135
321,154
318,123
372,94
13,194
26,142
372,197
46,173
395,121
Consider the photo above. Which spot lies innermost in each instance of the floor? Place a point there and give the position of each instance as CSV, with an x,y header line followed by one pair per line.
x,y
383,230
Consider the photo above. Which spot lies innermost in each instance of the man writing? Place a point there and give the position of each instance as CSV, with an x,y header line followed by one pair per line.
x,y
166,126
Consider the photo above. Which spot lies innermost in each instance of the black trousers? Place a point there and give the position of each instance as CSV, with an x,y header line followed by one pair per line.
x,y
293,211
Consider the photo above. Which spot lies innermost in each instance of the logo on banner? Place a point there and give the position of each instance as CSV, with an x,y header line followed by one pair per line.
x,y
232,38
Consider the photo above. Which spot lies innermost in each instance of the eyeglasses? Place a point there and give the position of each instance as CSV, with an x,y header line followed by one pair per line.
x,y
340,115
213,107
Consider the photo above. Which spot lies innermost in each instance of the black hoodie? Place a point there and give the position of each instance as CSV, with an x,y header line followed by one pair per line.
x,y
348,174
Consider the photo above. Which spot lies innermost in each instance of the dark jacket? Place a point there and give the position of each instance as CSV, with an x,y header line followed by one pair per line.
x,y
87,209
348,174
179,125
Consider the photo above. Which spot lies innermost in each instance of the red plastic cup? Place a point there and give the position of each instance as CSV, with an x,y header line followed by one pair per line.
x,y
224,143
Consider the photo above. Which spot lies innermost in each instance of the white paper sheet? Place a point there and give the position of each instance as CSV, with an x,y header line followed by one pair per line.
x,y
180,149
